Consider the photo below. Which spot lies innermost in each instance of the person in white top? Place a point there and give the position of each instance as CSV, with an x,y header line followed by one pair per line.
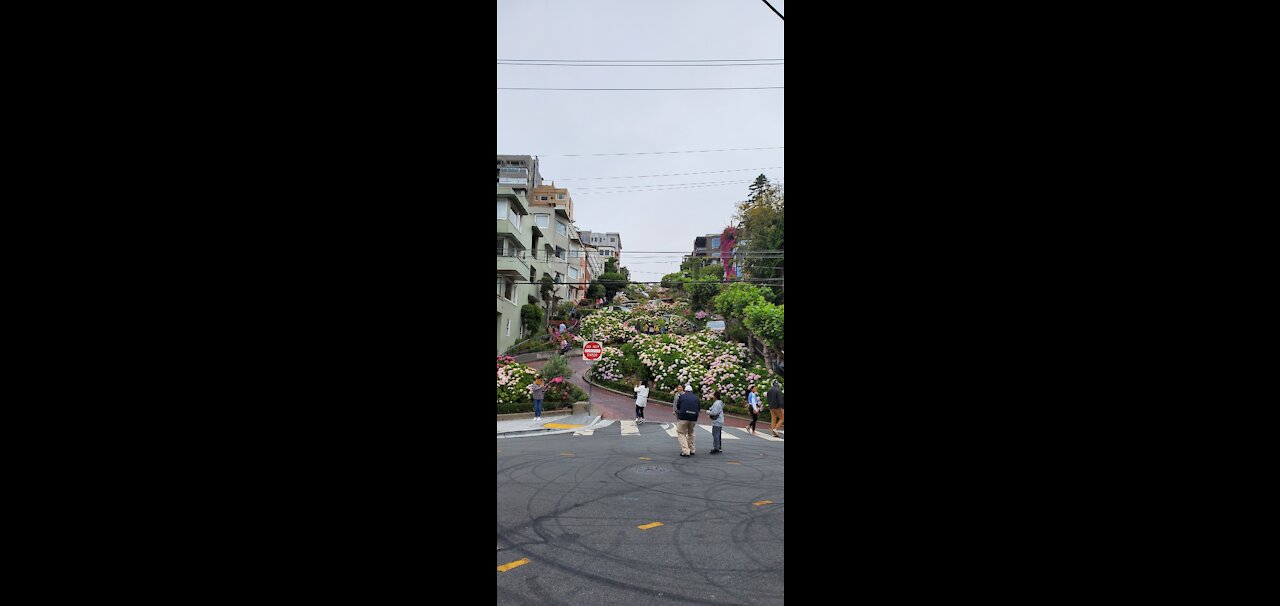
x,y
642,398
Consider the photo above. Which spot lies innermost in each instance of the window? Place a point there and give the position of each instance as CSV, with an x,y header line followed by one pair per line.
x,y
543,221
500,241
561,229
559,253
559,196
543,198
513,218
508,327
502,209
715,243
573,274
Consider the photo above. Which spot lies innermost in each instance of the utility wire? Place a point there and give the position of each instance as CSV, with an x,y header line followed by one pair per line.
x,y
698,88
766,3
633,191
691,151
640,60
643,64
633,186
707,172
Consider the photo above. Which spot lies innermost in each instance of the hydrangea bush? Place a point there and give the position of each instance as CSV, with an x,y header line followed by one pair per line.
x,y
513,381
609,366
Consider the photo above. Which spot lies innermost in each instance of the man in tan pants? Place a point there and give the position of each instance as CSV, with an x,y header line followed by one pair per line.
x,y
774,399
687,408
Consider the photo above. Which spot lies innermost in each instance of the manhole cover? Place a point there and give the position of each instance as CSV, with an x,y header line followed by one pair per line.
x,y
649,469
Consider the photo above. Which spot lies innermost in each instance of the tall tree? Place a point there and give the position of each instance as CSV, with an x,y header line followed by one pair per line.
x,y
762,228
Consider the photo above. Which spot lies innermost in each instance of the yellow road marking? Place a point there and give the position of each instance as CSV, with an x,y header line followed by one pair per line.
x,y
645,459
762,502
567,454
734,463
506,567
563,425
648,526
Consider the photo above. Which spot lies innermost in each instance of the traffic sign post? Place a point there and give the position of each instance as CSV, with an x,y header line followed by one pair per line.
x,y
591,351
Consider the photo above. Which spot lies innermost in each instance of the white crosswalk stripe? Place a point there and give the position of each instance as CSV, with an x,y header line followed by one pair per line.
x,y
760,434
629,428
724,434
671,429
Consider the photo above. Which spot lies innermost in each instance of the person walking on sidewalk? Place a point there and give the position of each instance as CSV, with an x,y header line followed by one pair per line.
x,y
535,390
716,412
687,408
642,398
774,398
753,404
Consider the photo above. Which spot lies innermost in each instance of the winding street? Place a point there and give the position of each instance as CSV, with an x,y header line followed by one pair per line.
x,y
615,406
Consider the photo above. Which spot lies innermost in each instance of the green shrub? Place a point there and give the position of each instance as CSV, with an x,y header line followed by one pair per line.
x,y
631,365
530,346
531,318
557,366
511,407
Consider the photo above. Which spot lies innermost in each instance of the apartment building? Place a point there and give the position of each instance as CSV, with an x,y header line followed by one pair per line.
x,y
609,244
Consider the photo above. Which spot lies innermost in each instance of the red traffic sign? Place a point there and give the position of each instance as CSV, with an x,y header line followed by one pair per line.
x,y
592,350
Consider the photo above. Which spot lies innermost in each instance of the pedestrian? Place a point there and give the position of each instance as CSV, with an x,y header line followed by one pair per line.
x,y
716,412
642,398
535,390
753,403
562,326
687,408
564,347
774,399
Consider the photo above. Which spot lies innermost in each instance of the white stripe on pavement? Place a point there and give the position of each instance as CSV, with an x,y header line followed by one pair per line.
x,y
724,434
584,432
760,434
671,429
629,428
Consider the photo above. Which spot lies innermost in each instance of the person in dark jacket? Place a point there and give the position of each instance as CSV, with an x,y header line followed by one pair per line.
x,y
687,408
774,398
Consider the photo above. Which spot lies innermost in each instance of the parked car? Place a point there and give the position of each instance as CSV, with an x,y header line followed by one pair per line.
x,y
716,325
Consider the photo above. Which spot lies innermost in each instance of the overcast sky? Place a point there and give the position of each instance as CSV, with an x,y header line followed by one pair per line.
x,y
551,124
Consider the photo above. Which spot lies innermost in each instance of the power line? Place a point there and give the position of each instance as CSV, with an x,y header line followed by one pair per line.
x,y
643,64
576,189
707,172
692,151
632,191
640,60
766,3
633,89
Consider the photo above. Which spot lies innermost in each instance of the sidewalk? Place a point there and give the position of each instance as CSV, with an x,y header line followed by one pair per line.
x,y
562,423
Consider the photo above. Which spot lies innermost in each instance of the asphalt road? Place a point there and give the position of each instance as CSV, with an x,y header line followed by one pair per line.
x,y
569,506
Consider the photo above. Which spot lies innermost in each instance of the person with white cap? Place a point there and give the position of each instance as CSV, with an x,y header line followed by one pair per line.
x,y
687,409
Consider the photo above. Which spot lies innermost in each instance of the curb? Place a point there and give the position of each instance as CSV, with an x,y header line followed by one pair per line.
x,y
559,412
522,433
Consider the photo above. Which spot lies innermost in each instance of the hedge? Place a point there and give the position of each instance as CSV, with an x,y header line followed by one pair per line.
x,y
666,397
578,396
